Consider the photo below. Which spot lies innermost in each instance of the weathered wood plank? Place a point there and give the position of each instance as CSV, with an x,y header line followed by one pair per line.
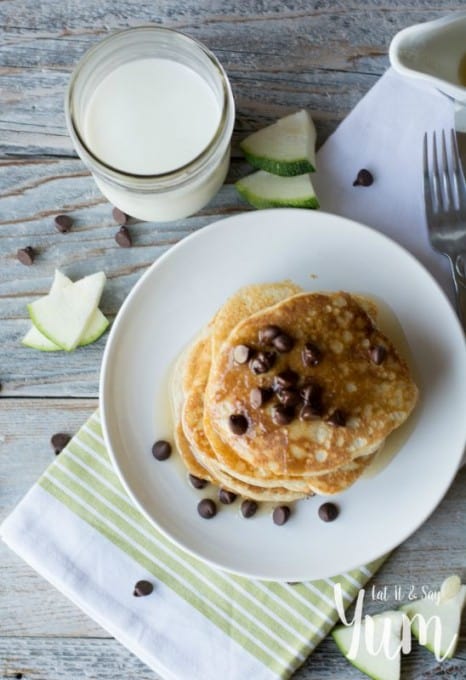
x,y
97,659
316,55
31,194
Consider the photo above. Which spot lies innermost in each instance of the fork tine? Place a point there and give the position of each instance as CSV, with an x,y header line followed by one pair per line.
x,y
436,188
449,184
428,195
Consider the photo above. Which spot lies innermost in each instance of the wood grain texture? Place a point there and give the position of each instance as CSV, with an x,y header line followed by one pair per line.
x,y
279,55
58,659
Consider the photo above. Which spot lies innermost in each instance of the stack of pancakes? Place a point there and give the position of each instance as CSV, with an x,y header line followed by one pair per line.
x,y
287,394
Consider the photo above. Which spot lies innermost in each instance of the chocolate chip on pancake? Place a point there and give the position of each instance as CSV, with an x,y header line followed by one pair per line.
x,y
310,412
248,508
238,423
260,396
337,418
242,354
281,515
285,379
311,392
226,497
207,508
282,415
262,362
288,397
311,354
198,482
377,354
283,343
269,333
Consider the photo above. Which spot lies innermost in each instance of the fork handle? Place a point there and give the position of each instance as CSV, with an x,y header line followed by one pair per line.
x,y
458,269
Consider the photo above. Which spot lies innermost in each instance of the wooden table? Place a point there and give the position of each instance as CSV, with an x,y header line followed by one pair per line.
x,y
280,56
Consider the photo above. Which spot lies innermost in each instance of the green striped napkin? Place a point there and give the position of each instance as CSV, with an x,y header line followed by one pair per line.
x,y
78,527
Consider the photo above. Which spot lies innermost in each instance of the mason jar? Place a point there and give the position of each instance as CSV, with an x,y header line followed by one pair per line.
x,y
151,113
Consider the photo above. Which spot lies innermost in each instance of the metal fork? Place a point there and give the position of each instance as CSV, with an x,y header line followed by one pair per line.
x,y
445,202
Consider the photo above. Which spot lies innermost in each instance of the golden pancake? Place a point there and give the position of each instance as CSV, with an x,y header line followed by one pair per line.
x,y
367,390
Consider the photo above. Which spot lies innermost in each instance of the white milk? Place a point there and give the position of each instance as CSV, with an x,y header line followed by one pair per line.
x,y
150,116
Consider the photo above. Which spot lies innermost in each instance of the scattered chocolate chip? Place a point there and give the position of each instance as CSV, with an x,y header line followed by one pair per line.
x,y
364,178
282,415
311,392
283,343
293,583
310,412
26,255
119,216
378,354
242,354
207,508
63,223
285,379
311,354
226,497
59,441
248,508
161,450
142,588
328,512
288,397
197,482
268,333
238,423
18,676
281,515
262,363
260,396
337,418
123,238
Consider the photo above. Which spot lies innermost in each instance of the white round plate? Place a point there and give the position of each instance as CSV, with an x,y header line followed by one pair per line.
x,y
181,292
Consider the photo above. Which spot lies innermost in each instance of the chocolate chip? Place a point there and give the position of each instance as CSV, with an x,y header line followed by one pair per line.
x,y
311,354
364,178
119,216
268,333
281,515
63,223
328,512
310,412
18,676
207,508
59,441
337,418
238,423
378,354
226,497
294,583
197,482
311,392
123,238
161,450
260,396
288,397
26,255
242,354
283,343
248,508
142,588
285,379
282,415
262,363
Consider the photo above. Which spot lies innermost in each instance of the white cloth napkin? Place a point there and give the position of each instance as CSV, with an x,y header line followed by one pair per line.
x,y
384,134
79,530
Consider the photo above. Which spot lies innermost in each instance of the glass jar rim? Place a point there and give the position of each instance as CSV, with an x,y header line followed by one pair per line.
x,y
116,174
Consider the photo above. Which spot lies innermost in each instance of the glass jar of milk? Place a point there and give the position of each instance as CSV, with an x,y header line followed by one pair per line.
x,y
150,112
